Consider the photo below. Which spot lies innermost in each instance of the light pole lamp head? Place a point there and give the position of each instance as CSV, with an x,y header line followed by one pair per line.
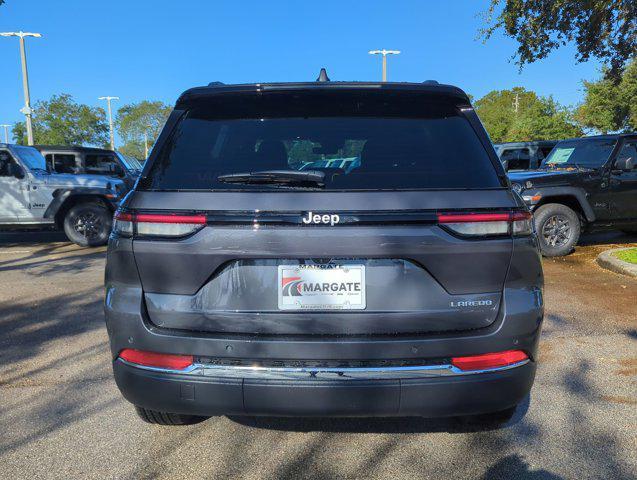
x,y
384,52
20,34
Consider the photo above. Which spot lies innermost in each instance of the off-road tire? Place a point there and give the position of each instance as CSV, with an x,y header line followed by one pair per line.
x,y
558,229
93,218
165,418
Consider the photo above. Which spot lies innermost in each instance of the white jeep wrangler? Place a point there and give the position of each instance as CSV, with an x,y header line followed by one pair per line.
x,y
30,196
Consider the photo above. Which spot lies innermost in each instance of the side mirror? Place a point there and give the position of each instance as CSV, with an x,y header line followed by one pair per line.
x,y
625,163
16,171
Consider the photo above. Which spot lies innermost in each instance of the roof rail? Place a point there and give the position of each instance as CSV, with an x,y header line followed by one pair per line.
x,y
323,76
215,84
431,82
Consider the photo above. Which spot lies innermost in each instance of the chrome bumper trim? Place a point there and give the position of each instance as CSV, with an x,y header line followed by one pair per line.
x,y
318,373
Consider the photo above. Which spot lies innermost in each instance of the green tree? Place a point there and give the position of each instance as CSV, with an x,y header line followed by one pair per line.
x,y
536,118
611,106
602,29
545,119
136,118
497,111
133,148
62,121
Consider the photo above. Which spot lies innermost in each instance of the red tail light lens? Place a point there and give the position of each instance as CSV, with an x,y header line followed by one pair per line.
x,y
487,224
489,360
157,225
159,360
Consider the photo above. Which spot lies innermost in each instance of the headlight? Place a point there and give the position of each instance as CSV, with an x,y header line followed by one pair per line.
x,y
516,187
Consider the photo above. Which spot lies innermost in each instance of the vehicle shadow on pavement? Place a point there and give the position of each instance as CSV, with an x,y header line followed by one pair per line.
x,y
394,425
31,237
51,259
609,237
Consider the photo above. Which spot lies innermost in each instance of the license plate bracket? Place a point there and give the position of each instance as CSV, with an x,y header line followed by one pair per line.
x,y
321,287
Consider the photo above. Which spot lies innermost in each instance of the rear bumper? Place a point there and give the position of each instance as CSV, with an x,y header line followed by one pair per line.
x,y
418,394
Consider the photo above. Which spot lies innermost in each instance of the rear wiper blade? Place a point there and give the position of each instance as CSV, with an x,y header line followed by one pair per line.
x,y
308,178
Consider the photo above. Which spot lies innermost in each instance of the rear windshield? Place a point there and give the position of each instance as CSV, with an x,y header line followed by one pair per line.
x,y
360,143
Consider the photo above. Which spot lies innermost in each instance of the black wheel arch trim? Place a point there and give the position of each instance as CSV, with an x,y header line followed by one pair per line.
x,y
578,193
62,196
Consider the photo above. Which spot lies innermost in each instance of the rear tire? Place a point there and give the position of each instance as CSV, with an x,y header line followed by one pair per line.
x,y
166,418
558,229
88,224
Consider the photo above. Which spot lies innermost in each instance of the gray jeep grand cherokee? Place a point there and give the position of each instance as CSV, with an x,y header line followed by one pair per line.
x,y
241,281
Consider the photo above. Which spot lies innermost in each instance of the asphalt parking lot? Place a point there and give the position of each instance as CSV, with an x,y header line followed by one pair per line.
x,y
61,415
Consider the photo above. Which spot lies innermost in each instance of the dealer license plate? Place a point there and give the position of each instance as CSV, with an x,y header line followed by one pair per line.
x,y
321,287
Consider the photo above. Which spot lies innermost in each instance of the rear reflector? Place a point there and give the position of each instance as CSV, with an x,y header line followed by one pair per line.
x,y
489,360
153,359
487,224
157,225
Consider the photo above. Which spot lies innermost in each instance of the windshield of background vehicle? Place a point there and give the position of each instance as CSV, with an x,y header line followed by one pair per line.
x,y
31,157
580,153
380,144
131,163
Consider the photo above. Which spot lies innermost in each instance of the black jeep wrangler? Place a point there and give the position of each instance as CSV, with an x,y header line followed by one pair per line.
x,y
586,183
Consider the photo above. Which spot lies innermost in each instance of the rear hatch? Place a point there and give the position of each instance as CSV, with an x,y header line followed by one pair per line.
x,y
322,212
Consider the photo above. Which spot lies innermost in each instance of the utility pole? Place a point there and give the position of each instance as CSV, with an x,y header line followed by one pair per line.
x,y
6,132
516,103
384,53
110,118
25,79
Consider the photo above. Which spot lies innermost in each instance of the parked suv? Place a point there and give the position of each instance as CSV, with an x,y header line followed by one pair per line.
x,y
585,183
30,196
239,283
91,161
523,155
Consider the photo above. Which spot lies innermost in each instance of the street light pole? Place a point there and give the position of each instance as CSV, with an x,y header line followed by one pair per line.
x,y
25,79
148,127
110,118
6,132
384,53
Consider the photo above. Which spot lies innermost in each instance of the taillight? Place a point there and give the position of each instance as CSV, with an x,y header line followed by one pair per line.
x,y
154,359
522,223
489,360
157,225
487,224
123,223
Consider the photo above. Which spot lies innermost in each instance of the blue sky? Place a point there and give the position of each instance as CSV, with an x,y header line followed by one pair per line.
x,y
154,50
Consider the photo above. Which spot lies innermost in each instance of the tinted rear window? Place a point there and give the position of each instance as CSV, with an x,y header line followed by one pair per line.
x,y
361,142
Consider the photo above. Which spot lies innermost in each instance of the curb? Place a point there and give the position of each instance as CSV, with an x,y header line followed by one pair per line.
x,y
610,262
